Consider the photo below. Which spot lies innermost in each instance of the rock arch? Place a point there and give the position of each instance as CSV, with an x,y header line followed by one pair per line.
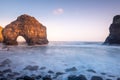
x,y
28,27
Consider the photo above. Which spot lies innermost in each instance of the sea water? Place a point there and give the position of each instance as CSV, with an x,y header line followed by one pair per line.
x,y
58,56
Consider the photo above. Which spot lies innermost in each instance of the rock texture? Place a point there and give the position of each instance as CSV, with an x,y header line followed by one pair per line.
x,y
114,36
1,36
28,27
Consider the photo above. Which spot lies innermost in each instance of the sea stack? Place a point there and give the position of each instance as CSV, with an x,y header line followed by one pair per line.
x,y
114,36
1,36
27,27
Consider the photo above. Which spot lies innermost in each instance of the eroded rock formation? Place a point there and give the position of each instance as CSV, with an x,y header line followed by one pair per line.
x,y
1,37
28,27
114,36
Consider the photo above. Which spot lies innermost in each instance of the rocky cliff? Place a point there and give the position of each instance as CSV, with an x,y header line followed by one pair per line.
x,y
28,27
114,36
1,37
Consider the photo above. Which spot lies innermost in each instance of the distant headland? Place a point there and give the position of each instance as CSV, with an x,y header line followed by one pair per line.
x,y
114,36
27,27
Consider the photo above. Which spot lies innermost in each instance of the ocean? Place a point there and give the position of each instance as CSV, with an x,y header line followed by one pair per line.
x,y
67,57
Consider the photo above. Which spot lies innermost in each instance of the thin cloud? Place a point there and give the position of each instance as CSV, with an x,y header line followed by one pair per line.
x,y
58,11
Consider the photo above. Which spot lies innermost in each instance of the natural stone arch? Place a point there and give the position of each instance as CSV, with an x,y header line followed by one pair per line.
x,y
28,27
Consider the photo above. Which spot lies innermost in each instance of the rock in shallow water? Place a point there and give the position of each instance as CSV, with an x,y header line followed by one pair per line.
x,y
6,62
91,70
114,36
108,79
74,77
96,78
118,78
42,68
51,72
25,78
31,68
38,77
47,77
3,79
7,71
71,69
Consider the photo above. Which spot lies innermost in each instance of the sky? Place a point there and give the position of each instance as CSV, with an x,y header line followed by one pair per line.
x,y
66,20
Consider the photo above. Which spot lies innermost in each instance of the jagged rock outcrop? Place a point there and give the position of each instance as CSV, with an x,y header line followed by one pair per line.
x,y
1,36
28,27
114,36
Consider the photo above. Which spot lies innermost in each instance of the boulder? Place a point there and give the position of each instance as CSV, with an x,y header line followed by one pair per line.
x,y
96,78
31,68
71,69
1,36
47,77
118,78
114,36
27,27
25,78
74,77
91,70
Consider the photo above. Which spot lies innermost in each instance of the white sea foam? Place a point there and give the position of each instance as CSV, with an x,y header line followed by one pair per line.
x,y
58,56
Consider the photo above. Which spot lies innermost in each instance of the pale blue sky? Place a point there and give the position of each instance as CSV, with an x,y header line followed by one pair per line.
x,y
66,20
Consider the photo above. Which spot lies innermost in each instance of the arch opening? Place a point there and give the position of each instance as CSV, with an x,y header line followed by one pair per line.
x,y
21,40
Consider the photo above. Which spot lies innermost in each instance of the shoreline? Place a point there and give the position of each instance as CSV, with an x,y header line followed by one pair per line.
x,y
42,73
60,62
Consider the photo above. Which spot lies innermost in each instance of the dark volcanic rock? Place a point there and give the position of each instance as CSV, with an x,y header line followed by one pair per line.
x,y
1,74
38,77
58,74
96,78
71,69
108,79
114,36
42,68
3,78
74,77
103,73
51,72
6,62
7,71
28,27
31,68
91,70
28,78
24,78
47,77
111,76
